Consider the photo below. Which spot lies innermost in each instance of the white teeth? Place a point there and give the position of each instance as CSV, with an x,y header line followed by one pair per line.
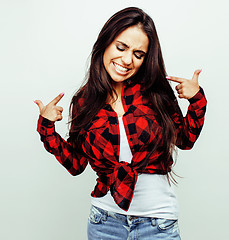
x,y
120,68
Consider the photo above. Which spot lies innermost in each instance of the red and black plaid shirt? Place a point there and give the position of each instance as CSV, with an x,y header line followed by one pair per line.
x,y
101,143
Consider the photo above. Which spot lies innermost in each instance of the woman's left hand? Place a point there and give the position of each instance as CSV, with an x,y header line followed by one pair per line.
x,y
187,88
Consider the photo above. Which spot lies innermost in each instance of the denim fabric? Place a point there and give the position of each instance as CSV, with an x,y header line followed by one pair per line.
x,y
105,225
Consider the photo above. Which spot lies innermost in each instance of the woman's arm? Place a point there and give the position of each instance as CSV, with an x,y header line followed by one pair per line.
x,y
188,132
73,161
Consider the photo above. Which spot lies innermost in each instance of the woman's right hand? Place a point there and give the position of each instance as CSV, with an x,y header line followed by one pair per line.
x,y
51,111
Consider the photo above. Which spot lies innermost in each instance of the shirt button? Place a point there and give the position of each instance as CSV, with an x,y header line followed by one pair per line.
x,y
124,97
131,139
116,124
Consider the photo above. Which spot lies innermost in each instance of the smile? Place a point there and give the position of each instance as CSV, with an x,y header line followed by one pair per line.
x,y
120,69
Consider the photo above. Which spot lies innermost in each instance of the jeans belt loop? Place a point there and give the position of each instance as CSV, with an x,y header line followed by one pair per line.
x,y
154,222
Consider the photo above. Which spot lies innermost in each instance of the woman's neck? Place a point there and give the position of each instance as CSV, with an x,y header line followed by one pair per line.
x,y
116,100
118,88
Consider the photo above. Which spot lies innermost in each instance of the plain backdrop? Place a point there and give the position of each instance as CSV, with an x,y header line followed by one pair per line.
x,y
44,50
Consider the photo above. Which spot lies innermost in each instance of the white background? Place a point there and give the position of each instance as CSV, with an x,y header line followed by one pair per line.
x,y
44,48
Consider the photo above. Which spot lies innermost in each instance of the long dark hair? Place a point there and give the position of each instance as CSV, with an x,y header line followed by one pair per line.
x,y
151,74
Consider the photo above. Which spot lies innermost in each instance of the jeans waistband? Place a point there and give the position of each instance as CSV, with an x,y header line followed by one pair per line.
x,y
122,217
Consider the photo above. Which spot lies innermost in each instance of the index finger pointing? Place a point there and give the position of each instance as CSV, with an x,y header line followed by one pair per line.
x,y
57,99
175,79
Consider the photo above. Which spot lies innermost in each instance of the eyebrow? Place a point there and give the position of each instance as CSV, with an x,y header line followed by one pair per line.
x,y
125,45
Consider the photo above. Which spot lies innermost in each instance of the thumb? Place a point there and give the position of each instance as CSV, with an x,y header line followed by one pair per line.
x,y
39,104
196,75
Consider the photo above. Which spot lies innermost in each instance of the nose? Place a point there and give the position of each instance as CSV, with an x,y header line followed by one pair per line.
x,y
127,58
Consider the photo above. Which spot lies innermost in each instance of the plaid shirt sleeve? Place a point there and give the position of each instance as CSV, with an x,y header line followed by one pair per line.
x,y
63,150
193,121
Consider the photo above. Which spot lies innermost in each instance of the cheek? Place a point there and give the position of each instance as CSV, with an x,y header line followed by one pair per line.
x,y
105,58
109,52
108,56
138,65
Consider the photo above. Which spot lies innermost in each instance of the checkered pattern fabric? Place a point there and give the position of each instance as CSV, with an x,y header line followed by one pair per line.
x,y
101,143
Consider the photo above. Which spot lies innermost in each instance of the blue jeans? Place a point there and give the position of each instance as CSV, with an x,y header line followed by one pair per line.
x,y
105,225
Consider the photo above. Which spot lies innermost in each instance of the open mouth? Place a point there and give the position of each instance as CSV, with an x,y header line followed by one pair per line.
x,y
120,69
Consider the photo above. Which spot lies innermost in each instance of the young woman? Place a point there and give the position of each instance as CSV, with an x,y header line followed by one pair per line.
x,y
126,122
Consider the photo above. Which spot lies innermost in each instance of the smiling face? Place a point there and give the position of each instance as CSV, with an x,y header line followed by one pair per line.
x,y
124,56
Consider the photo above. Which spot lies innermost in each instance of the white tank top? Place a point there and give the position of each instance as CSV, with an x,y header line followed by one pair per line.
x,y
153,196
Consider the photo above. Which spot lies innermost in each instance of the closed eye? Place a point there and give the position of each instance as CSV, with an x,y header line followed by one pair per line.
x,y
139,55
120,48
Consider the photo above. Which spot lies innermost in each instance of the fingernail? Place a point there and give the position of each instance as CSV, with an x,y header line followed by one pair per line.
x,y
200,71
168,77
35,102
62,94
